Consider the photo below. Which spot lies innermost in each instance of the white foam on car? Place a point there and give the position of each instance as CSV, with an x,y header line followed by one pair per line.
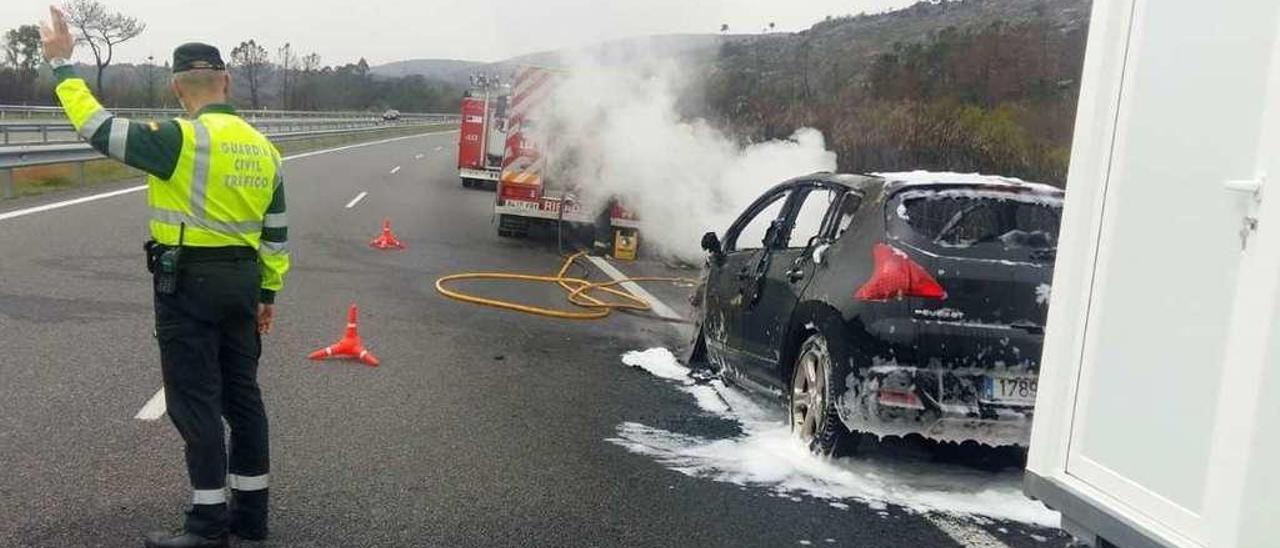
x,y
768,456
951,177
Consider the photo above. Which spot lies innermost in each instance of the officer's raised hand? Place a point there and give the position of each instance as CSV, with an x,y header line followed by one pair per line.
x,y
56,37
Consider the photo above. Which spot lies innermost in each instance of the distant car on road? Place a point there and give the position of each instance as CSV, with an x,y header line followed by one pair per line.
x,y
391,115
898,304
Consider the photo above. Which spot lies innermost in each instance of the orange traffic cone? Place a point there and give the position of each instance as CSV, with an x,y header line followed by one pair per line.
x,y
386,240
349,347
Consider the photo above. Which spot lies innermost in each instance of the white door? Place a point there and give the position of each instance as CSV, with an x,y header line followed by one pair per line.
x,y
1169,253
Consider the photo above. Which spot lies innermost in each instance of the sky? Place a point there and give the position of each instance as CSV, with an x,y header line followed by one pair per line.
x,y
478,30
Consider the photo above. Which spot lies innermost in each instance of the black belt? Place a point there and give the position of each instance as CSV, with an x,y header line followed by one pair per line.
x,y
217,254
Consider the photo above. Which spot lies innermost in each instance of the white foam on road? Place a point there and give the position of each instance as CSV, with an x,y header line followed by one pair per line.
x,y
95,197
660,362
356,200
154,408
767,455
708,397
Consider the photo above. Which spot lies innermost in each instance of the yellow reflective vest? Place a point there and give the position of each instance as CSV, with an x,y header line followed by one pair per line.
x,y
224,184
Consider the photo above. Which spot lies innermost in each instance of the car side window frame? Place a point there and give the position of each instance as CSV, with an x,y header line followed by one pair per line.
x,y
826,227
834,233
785,194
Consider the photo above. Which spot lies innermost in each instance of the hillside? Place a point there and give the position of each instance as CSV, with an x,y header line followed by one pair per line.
x,y
449,70
695,48
970,85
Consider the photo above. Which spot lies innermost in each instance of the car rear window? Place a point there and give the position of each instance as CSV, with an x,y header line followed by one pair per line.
x,y
977,223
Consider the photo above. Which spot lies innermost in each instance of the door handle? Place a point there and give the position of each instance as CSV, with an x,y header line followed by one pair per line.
x,y
794,275
1252,188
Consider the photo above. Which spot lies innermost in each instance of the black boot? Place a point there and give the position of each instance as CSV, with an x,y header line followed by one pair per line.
x,y
206,526
249,514
184,540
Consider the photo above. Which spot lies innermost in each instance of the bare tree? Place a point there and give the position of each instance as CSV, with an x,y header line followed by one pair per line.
x,y
310,73
724,27
252,60
288,61
102,29
310,62
150,72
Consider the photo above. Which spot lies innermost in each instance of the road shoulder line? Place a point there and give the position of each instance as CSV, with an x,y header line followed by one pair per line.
x,y
660,308
967,535
94,197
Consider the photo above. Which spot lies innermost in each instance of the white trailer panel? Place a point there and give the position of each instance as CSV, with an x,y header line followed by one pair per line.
x,y
1160,355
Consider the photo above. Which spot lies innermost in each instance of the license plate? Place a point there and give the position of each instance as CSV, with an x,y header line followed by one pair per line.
x,y
1020,389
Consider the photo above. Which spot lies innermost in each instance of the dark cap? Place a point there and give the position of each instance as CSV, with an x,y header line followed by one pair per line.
x,y
194,55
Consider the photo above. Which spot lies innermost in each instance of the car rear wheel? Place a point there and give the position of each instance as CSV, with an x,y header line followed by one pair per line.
x,y
814,416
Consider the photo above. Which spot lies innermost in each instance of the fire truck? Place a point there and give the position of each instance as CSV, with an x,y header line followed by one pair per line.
x,y
482,138
530,193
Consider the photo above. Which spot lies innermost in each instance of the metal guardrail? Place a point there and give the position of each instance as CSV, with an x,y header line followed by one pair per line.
x,y
20,156
23,112
59,131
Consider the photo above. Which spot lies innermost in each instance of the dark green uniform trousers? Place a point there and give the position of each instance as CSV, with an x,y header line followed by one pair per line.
x,y
209,348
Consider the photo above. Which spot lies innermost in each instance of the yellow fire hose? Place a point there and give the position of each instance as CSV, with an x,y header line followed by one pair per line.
x,y
579,292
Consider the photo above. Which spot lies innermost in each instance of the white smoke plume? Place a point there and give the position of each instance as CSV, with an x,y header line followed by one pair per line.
x,y
614,129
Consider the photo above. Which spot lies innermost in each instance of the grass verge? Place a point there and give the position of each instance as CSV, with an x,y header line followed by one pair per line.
x,y
30,181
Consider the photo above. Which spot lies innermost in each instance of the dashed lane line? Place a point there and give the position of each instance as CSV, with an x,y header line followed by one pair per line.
x,y
154,408
356,200
395,170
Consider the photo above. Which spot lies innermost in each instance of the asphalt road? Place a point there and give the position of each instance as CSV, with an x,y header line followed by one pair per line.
x,y
481,428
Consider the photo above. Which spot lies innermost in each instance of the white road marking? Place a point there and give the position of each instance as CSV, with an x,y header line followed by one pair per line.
x,y
356,200
154,408
85,199
968,535
65,203
417,156
438,148
395,170
660,308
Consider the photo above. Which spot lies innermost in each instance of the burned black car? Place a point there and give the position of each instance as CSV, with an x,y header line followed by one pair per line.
x,y
895,304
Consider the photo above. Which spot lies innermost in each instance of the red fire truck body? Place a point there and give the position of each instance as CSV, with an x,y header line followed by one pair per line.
x,y
482,136
525,192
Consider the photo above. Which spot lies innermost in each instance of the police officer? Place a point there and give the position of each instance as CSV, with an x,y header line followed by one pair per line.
x,y
218,255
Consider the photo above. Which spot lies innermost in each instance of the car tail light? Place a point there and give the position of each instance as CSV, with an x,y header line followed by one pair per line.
x,y
897,397
897,276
